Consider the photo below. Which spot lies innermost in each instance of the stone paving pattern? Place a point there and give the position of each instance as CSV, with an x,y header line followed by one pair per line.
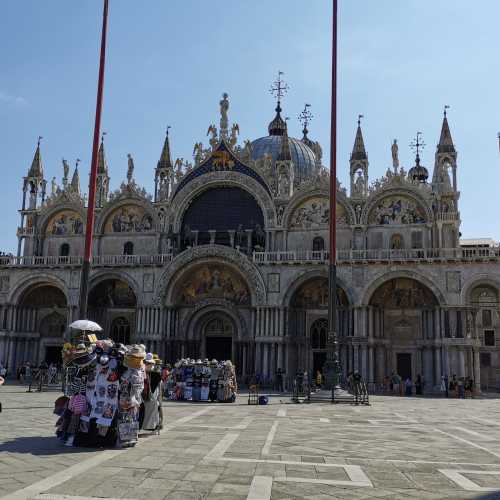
x,y
397,448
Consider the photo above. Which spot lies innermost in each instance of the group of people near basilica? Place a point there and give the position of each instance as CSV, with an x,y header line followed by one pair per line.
x,y
458,387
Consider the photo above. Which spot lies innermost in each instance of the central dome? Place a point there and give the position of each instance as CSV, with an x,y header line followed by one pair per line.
x,y
303,157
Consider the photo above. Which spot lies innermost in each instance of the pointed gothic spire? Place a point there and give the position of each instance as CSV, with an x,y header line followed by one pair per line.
x,y
165,158
36,169
358,150
75,180
445,140
102,164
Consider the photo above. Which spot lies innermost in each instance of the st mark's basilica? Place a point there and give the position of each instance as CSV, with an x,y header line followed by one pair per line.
x,y
227,259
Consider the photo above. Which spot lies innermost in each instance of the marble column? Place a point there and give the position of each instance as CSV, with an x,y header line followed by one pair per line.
x,y
437,366
428,367
382,370
265,361
371,366
461,362
356,357
477,372
364,360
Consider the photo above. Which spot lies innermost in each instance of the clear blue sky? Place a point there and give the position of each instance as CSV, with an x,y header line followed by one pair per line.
x,y
169,61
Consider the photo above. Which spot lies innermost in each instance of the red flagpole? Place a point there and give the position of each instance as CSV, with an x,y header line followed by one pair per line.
x,y
89,231
332,365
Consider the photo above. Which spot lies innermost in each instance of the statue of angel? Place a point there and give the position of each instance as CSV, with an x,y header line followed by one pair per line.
x,y
235,131
198,153
212,130
130,168
53,185
65,171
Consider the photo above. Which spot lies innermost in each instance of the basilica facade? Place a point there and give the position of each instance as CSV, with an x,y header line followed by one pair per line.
x,y
227,258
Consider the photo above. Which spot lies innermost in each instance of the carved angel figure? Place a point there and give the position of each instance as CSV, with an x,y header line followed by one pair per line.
x,y
65,171
198,153
235,131
212,131
130,168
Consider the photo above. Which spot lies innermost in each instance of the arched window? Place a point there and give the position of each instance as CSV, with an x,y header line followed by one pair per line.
x,y
128,248
397,242
319,334
120,330
318,244
64,250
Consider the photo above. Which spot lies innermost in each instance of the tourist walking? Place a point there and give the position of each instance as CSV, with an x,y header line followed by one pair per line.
x,y
279,380
419,383
444,385
408,386
319,379
453,386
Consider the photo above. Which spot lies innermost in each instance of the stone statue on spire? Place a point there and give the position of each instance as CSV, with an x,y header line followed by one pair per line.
x,y
395,157
130,169
224,108
65,172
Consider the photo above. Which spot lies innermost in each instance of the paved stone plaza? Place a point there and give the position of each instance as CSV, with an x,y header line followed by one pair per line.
x,y
396,448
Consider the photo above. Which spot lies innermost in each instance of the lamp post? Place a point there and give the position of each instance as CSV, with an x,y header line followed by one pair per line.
x,y
331,368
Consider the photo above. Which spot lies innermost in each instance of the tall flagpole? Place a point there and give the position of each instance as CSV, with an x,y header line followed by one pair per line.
x,y
89,231
332,365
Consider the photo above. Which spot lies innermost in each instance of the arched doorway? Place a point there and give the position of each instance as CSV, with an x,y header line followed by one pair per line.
x,y
42,309
405,308
484,325
217,334
112,304
318,335
120,330
308,324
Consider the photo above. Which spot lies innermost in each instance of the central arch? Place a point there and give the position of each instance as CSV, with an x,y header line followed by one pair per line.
x,y
406,308
217,335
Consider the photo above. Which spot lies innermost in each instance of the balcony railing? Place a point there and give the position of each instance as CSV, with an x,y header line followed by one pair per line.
x,y
97,261
470,254
383,255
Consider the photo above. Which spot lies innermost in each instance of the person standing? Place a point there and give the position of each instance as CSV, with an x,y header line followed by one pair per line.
x,y
279,380
408,386
319,379
419,385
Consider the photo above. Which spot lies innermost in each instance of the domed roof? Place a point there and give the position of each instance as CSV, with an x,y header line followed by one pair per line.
x,y
303,156
418,172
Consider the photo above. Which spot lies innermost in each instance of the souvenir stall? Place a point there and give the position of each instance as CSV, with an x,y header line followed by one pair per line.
x,y
104,393
199,380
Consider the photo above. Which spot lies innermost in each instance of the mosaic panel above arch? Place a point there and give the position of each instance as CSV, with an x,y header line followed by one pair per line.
x,y
397,210
314,295
209,281
484,294
314,213
65,223
129,219
403,293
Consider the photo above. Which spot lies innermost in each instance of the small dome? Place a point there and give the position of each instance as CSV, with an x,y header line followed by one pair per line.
x,y
303,156
418,173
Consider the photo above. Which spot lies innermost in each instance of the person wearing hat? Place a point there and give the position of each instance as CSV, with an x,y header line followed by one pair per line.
x,y
150,419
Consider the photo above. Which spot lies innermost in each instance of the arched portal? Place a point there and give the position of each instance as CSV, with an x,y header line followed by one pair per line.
x,y
112,303
308,324
42,310
217,332
406,310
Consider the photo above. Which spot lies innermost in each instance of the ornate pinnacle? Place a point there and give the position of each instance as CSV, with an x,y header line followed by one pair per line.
x,y
305,118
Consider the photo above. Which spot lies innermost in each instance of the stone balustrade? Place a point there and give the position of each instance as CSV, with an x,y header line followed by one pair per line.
x,y
280,257
380,255
76,260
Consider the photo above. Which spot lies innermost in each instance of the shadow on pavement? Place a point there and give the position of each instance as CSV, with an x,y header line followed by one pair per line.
x,y
39,445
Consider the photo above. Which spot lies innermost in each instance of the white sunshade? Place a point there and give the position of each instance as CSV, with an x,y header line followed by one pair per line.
x,y
86,326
